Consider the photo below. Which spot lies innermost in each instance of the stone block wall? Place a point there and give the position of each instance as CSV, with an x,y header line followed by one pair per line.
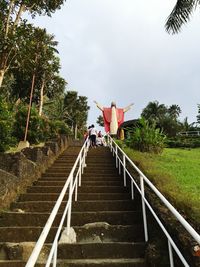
x,y
21,169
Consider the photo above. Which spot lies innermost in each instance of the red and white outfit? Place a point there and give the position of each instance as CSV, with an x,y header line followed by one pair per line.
x,y
113,117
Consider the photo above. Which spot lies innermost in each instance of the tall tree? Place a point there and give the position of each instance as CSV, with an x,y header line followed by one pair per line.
x,y
77,109
164,117
10,23
47,82
180,15
174,111
154,111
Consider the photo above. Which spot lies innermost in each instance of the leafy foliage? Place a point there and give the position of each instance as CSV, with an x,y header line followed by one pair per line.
x,y
146,137
6,124
38,126
100,121
59,127
14,29
183,142
166,118
198,116
29,59
180,15
76,111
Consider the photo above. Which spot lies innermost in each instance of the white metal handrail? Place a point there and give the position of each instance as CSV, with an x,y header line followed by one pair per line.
x,y
115,149
71,184
189,133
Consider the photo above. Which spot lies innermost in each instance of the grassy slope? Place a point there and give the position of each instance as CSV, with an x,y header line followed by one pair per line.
x,y
177,175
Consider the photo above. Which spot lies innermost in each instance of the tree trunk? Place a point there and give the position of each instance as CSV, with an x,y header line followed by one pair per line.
x,y
2,73
29,107
75,132
41,98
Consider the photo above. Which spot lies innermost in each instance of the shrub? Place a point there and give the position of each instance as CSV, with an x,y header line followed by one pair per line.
x,y
146,137
38,126
6,126
58,127
183,142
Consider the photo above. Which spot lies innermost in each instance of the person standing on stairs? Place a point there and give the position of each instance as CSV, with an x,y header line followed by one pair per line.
x,y
93,135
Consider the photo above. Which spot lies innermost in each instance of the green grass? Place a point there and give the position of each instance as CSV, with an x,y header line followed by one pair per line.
x,y
176,173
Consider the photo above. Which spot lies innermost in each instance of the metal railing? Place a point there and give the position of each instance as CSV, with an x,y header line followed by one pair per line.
x,y
189,133
70,187
121,162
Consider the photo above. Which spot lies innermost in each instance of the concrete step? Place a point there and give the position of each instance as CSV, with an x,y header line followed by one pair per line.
x,y
112,250
102,263
56,174
81,196
94,171
78,218
115,182
103,189
84,178
16,234
101,175
84,263
88,189
101,232
104,232
92,174
100,164
47,206
84,183
14,263
63,159
61,167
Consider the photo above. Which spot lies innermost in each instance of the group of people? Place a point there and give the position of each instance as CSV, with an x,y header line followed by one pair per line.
x,y
96,138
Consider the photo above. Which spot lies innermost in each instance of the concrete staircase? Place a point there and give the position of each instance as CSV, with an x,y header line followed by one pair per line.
x,y
108,224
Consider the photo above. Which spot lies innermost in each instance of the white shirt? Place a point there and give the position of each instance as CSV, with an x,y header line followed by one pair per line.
x,y
93,131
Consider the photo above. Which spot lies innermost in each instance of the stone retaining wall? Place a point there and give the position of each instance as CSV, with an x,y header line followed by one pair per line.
x,y
21,169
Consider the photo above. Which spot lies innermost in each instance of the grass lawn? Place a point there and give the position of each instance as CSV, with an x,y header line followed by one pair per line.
x,y
176,173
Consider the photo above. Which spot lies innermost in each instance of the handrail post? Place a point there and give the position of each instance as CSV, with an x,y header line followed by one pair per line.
x,y
110,143
124,165
80,172
143,208
82,159
76,190
70,205
132,190
171,259
55,255
116,154
119,167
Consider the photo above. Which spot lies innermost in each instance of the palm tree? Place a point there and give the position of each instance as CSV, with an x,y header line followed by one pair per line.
x,y
174,111
154,111
180,15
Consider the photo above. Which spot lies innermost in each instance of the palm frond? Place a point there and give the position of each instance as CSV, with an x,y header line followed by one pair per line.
x,y
180,15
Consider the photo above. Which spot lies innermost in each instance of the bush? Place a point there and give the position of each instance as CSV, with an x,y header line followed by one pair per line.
x,y
183,142
146,137
58,127
6,126
38,126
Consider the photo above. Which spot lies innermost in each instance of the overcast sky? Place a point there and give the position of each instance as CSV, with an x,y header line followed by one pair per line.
x,y
118,50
